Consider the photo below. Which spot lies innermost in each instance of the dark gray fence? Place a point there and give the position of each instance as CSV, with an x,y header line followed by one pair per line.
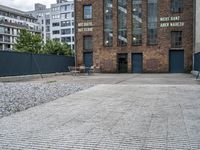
x,y
197,61
15,63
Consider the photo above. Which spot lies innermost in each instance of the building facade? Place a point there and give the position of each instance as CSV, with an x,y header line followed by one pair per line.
x,y
135,35
197,36
11,22
57,22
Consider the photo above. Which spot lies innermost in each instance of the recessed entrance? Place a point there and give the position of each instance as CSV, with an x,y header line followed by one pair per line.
x,y
137,62
88,59
122,63
176,61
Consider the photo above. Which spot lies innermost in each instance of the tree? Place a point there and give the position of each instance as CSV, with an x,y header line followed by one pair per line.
x,y
27,42
57,48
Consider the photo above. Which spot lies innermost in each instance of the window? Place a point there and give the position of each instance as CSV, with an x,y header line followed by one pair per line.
x,y
72,6
87,43
122,22
48,36
2,29
55,24
65,23
152,22
1,46
65,16
66,39
137,22
55,8
177,6
56,32
47,28
56,16
108,29
72,14
65,31
176,37
87,12
47,21
56,39
7,47
1,38
65,7
7,38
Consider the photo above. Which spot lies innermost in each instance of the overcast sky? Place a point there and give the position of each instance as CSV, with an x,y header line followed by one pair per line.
x,y
25,5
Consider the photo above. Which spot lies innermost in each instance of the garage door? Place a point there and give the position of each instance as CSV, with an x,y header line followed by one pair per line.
x,y
88,59
137,65
176,61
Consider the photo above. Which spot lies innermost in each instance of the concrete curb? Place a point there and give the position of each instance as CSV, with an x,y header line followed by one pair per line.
x,y
30,77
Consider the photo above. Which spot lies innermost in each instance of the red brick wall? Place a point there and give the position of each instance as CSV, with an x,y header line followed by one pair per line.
x,y
155,58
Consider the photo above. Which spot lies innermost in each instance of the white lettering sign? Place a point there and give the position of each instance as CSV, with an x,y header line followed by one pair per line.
x,y
165,19
171,22
85,24
85,29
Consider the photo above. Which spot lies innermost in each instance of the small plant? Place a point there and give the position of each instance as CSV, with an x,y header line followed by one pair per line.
x,y
53,81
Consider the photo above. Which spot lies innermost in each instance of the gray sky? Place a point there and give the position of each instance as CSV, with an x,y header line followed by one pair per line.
x,y
25,5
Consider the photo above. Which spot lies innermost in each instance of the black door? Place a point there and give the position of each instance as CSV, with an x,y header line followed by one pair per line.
x,y
88,59
137,63
176,61
122,63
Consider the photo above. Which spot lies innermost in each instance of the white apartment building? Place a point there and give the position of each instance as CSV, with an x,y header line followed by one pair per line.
x,y
57,22
11,22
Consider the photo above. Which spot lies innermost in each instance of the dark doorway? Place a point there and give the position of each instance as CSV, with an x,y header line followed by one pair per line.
x,y
137,63
122,63
176,61
88,59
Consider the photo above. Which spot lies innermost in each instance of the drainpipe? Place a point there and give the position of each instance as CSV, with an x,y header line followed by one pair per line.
x,y
194,33
75,31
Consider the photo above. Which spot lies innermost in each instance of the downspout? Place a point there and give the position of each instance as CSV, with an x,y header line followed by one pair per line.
x,y
194,33
75,32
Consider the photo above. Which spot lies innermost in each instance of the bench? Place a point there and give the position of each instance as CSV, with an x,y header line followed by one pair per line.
x,y
74,70
198,75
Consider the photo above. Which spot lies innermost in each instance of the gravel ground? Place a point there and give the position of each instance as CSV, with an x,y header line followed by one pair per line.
x,y
16,97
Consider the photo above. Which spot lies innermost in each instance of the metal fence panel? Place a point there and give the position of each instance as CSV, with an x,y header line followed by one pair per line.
x,y
15,63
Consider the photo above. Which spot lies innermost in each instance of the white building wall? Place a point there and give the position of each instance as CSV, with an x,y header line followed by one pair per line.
x,y
197,32
10,27
57,10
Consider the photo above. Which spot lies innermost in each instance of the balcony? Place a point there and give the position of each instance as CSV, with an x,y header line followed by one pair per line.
x,y
7,40
20,25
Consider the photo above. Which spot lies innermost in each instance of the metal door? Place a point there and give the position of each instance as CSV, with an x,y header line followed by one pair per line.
x,y
137,63
88,59
176,61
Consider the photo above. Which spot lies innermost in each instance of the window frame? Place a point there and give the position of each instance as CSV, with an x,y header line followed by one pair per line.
x,y
86,36
173,39
132,27
104,33
119,44
156,23
173,10
84,12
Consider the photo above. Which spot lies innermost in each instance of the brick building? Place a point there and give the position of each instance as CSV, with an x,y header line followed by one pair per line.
x,y
135,35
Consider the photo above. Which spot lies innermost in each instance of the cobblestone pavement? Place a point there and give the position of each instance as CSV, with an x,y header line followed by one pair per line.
x,y
110,116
